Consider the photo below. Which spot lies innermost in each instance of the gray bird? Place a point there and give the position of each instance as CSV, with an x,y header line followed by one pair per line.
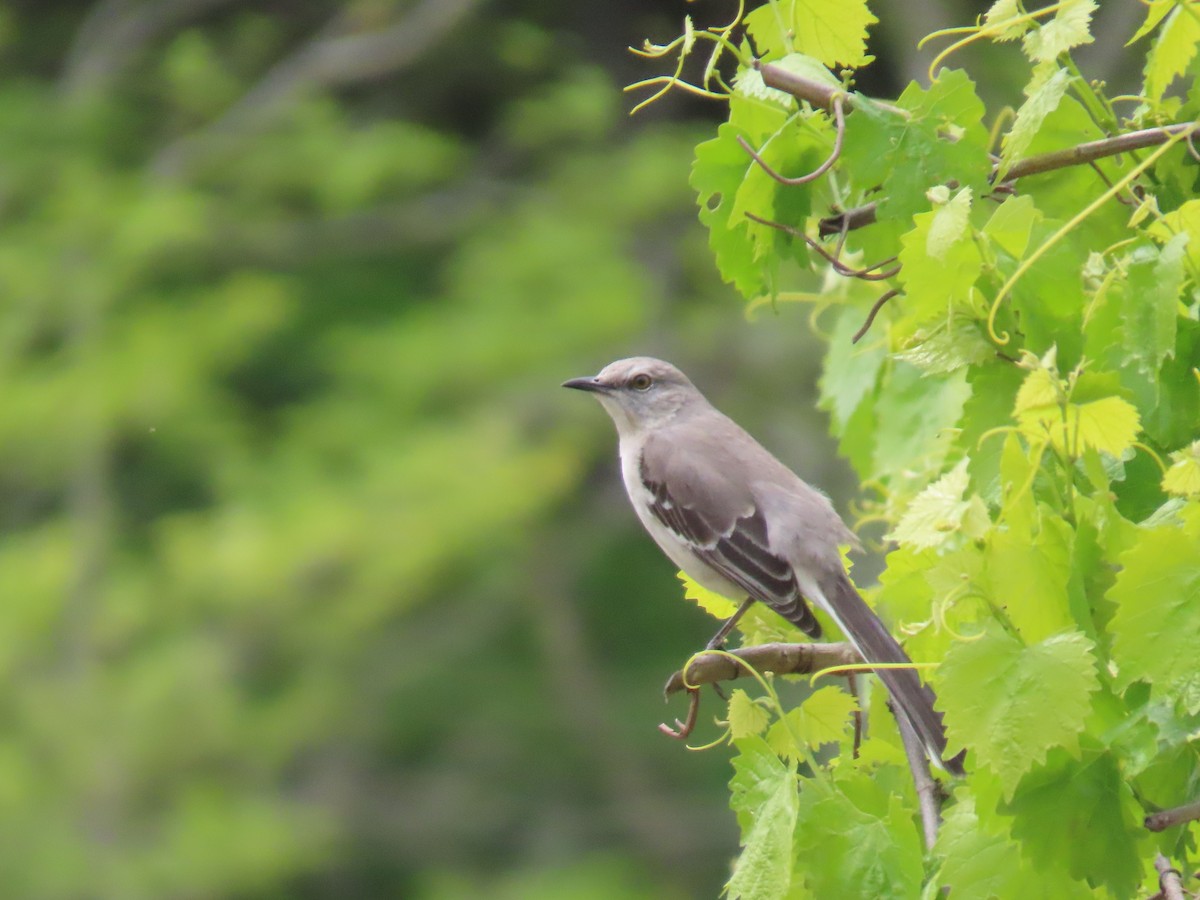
x,y
741,523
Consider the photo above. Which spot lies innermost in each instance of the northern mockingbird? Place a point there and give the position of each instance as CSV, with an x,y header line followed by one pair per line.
x,y
741,523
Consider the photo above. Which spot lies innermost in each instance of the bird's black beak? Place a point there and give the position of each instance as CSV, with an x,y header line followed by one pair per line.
x,y
586,384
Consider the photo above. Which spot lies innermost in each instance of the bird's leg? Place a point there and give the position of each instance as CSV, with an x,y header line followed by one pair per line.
x,y
727,626
685,728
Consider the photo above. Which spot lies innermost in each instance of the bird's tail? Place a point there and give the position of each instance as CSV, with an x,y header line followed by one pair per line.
x,y
875,644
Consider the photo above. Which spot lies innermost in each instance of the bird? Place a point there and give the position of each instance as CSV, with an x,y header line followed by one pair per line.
x,y
739,522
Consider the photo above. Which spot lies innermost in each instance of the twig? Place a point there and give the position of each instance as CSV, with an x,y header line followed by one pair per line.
x,y
875,308
820,170
1168,818
928,795
848,220
1168,879
782,659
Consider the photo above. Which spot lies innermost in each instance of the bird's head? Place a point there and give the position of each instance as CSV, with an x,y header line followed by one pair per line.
x,y
641,392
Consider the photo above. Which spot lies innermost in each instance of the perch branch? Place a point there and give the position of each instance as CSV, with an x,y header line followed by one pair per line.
x,y
782,659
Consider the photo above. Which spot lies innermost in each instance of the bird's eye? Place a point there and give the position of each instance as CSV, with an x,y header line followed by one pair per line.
x,y
640,382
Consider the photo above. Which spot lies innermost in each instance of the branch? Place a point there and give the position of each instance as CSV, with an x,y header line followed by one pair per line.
x,y
1082,154
928,796
1169,884
114,32
782,659
331,59
1168,818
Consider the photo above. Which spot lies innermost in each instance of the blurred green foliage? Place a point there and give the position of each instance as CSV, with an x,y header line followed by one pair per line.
x,y
311,584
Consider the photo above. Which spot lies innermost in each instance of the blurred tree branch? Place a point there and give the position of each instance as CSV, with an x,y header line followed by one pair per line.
x,y
331,59
113,32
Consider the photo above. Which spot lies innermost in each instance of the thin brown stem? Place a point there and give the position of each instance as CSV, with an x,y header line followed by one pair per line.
x,y
840,119
866,274
875,308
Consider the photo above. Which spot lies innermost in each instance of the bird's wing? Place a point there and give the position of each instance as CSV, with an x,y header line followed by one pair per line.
x,y
702,501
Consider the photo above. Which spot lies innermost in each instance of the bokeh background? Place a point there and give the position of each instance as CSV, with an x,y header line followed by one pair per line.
x,y
313,583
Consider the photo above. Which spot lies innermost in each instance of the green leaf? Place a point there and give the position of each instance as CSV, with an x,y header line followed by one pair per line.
x,y
826,716
763,792
979,863
1172,51
720,168
940,512
1011,223
1070,27
850,370
1044,92
1151,303
915,416
939,263
949,225
947,347
860,842
1156,628
1027,575
1068,798
993,692
746,717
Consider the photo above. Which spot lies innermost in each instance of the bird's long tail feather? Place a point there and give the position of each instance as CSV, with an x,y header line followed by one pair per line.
x,y
875,644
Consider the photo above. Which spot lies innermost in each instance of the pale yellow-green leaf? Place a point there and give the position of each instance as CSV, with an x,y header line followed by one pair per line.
x,y
1171,52
1109,424
1069,28
1183,477
745,716
996,17
1040,394
709,601
1182,219
938,512
949,224
1155,11
1044,92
